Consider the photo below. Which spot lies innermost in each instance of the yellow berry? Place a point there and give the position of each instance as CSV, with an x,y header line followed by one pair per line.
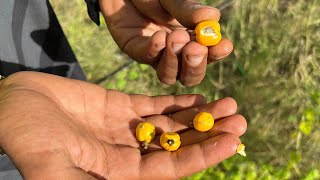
x,y
145,132
208,33
170,141
203,121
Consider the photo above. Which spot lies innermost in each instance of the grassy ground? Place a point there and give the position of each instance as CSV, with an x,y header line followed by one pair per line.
x,y
274,74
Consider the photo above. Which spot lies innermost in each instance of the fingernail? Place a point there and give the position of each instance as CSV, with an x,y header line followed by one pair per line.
x,y
199,6
159,47
195,60
222,50
177,48
221,57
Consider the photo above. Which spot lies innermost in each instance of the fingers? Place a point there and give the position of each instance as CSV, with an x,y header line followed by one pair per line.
x,y
180,121
146,49
168,66
190,159
146,106
219,109
220,51
194,63
153,9
235,124
121,27
135,34
190,12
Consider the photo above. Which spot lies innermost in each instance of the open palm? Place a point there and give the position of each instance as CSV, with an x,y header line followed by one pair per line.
x,y
154,32
70,129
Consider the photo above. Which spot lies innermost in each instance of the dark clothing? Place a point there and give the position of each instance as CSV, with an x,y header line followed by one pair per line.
x,y
93,10
32,39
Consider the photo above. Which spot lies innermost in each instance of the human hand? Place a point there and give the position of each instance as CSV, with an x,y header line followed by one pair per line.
x,y
53,127
154,32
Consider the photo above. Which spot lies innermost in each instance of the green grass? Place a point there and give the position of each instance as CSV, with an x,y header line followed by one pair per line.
x,y
274,74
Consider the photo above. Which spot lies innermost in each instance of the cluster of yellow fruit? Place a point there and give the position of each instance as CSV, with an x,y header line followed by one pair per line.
x,y
145,133
208,34
170,141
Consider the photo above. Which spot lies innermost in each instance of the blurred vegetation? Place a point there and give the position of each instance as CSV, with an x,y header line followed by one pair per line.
x,y
274,74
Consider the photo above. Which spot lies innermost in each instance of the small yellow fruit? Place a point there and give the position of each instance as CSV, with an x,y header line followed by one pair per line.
x,y
208,33
203,121
170,141
145,133
240,150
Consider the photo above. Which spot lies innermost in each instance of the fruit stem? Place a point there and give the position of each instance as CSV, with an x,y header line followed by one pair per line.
x,y
145,145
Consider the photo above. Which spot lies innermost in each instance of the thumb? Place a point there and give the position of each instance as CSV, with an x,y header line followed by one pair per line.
x,y
190,12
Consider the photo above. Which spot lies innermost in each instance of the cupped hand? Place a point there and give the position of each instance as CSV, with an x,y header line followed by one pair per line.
x,y
53,127
154,32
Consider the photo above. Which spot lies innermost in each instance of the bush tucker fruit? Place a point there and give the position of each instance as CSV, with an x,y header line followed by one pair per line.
x,y
170,141
145,133
203,121
208,33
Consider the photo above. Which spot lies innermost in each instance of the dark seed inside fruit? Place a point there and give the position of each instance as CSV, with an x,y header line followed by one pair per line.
x,y
170,142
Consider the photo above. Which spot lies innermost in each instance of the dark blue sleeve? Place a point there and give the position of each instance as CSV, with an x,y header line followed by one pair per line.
x,y
93,10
